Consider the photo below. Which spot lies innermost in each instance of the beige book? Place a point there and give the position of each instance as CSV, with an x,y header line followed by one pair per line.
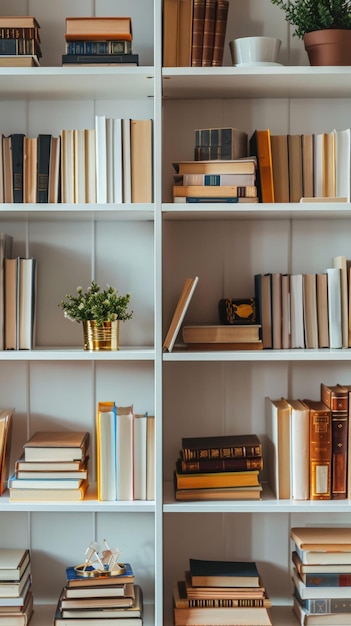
x,y
179,313
296,311
310,310
124,452
322,538
280,163
139,456
328,165
65,445
241,616
170,33
322,310
13,562
299,446
90,163
221,333
79,165
30,164
277,416
54,169
307,164
19,60
341,263
185,28
11,303
141,160
56,495
286,311
27,303
67,166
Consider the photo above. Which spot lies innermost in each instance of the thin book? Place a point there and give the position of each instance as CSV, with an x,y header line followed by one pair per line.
x,y
179,312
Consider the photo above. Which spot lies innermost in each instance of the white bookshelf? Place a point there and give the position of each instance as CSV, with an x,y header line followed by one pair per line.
x,y
148,250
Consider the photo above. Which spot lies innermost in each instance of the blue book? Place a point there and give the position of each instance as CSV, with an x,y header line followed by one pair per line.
x,y
74,579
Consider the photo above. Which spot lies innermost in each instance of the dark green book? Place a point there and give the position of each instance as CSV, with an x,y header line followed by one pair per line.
x,y
223,573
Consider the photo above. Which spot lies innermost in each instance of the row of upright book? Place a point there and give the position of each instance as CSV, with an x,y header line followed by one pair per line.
x,y
194,32
308,447
110,163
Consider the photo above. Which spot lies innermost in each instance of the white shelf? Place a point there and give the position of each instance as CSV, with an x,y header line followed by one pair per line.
x,y
134,353
262,82
260,211
323,354
62,212
78,83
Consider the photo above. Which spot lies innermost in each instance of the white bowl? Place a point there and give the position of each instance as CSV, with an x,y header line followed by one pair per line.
x,y
254,50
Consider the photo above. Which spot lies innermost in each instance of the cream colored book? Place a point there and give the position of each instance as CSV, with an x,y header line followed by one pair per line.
x,y
221,333
278,446
13,562
62,445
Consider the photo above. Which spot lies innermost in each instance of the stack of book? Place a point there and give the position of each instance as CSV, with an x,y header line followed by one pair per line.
x,y
194,32
216,180
221,592
321,561
99,599
16,598
54,467
99,41
19,41
219,468
125,453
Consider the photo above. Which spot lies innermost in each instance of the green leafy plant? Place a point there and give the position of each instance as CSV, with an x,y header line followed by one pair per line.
x,y
100,305
310,15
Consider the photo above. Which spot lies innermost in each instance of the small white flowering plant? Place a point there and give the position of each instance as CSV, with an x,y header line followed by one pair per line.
x,y
100,305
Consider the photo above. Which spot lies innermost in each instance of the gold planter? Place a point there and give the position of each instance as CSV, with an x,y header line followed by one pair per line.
x,y
105,337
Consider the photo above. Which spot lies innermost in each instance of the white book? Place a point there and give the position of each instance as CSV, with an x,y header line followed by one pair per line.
x,y
334,307
101,159
296,311
126,163
13,562
15,589
343,162
125,452
27,303
299,449
79,166
109,159
341,263
11,303
150,458
90,165
67,166
277,416
6,244
106,451
117,162
139,457
44,483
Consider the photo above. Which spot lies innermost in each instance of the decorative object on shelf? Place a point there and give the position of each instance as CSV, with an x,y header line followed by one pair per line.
x,y
325,28
104,564
255,50
100,311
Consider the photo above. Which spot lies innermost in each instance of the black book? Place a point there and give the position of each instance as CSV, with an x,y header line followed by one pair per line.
x,y
17,166
44,143
106,59
20,46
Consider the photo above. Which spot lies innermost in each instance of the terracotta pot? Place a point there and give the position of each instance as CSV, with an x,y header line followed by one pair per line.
x,y
329,47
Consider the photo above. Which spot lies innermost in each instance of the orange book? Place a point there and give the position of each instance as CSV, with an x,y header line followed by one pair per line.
x,y
320,449
97,28
260,146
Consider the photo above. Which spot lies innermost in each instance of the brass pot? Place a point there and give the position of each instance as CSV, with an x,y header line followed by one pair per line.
x,y
105,337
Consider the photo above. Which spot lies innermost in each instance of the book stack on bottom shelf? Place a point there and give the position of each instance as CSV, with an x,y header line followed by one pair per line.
x,y
321,572
54,467
221,592
16,598
112,600
219,468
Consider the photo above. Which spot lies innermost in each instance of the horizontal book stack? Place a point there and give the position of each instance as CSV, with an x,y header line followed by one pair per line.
x,y
321,573
99,41
20,278
219,468
16,598
125,453
19,41
54,467
194,32
305,462
99,599
221,592
215,180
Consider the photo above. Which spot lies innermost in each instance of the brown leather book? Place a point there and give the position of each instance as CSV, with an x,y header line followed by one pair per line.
x,y
320,449
222,8
209,26
198,32
336,397
219,465
221,447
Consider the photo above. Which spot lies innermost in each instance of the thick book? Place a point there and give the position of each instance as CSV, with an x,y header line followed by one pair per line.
x,y
19,615
307,164
233,166
20,46
219,493
336,398
15,588
50,466
206,573
197,32
280,165
241,180
297,327
108,607
263,295
56,495
44,483
299,450
320,449
139,456
278,446
182,601
229,345
124,452
74,579
219,465
305,618
181,308
309,285
100,59
59,620
44,145
13,562
19,60
6,245
185,32
150,458
57,446
334,307
19,32
316,568
260,147
27,303
30,165
6,429
295,168
323,539
19,21
321,593
248,616
82,28
322,310
197,191
221,333
94,602
116,590
11,303
170,33
248,478
340,262
324,579
17,140
218,447
276,298
323,606
220,28
223,592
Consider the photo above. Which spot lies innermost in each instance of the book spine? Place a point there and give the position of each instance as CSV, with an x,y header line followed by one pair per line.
x,y
337,401
222,465
99,47
17,166
214,152
320,454
198,32
328,580
19,33
189,454
194,200
96,58
322,606
222,7
209,26
44,144
221,603
18,46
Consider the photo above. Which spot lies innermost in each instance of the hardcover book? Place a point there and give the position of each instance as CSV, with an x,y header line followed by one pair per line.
x,y
221,18
57,446
221,333
249,478
13,562
336,398
219,447
256,616
206,573
320,449
219,493
322,538
179,313
182,601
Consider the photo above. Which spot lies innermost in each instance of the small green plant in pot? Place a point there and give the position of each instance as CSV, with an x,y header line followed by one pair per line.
x,y
324,26
100,311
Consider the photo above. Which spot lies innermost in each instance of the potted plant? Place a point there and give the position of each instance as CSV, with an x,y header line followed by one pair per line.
x,y
100,311
324,26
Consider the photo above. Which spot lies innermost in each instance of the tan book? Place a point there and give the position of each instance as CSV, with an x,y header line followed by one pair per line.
x,y
114,589
328,165
322,310
295,167
214,191
50,466
19,60
219,493
310,310
286,338
30,164
90,165
221,333
19,21
240,616
307,165
150,458
94,602
170,33
98,28
315,568
223,593
299,450
52,446
320,449
280,164
56,495
141,160
79,165
179,313
322,538
126,609
234,166
54,170
236,345
6,429
296,311
27,303
336,398
67,165
181,599
185,31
